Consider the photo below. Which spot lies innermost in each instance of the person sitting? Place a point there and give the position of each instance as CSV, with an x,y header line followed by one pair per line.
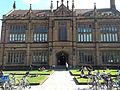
x,y
89,73
104,74
27,73
118,72
89,68
53,66
1,73
82,75
85,68
41,68
98,75
81,68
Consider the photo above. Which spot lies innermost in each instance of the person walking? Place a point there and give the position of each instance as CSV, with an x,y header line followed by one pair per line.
x,y
66,66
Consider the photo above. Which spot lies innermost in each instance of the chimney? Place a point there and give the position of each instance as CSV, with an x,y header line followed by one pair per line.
x,y
68,4
112,4
57,4
51,7
73,6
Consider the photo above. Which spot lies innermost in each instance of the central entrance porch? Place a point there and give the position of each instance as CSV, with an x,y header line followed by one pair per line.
x,y
62,58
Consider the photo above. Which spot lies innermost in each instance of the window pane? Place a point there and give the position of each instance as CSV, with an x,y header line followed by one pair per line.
x,y
62,31
85,33
110,33
116,37
85,57
42,33
110,57
39,57
16,57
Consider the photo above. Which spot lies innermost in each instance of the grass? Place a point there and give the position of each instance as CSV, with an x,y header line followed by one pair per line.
x,y
40,77
32,80
77,72
86,80
81,80
44,72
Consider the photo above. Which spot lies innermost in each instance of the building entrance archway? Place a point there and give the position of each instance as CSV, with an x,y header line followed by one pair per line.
x,y
62,58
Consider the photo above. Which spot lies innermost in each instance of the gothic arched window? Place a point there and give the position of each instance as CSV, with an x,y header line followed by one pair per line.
x,y
17,33
40,33
109,33
62,31
84,33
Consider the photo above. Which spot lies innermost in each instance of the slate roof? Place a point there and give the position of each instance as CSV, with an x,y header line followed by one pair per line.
x,y
25,12
107,11
83,12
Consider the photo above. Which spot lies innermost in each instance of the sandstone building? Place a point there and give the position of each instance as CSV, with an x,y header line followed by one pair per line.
x,y
56,36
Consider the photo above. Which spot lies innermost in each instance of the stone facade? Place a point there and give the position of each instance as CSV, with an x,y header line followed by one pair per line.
x,y
37,37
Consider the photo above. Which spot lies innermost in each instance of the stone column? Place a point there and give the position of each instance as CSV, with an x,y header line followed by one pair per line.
x,y
74,43
28,40
2,55
50,46
97,59
3,41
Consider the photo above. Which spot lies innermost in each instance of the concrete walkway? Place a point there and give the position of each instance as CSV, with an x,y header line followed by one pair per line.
x,y
59,80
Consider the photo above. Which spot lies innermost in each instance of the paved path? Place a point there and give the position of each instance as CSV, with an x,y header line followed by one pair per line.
x,y
59,80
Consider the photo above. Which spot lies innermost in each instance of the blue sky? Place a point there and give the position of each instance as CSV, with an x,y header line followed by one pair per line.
x,y
6,5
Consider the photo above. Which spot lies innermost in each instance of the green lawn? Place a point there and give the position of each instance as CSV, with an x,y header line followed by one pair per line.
x,y
44,72
86,80
77,72
82,80
40,77
32,80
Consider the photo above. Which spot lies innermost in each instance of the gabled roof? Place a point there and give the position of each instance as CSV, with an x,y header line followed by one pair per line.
x,y
62,10
62,7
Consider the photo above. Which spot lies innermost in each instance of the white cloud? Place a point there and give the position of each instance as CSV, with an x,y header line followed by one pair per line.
x,y
31,1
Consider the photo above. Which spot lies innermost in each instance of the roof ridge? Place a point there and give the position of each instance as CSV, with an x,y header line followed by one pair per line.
x,y
10,12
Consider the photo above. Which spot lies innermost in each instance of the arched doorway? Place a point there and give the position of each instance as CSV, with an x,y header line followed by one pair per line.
x,y
62,58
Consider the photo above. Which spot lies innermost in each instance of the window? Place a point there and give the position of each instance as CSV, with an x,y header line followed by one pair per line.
x,y
109,33
16,57
110,57
40,57
84,33
85,57
62,31
17,33
40,34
